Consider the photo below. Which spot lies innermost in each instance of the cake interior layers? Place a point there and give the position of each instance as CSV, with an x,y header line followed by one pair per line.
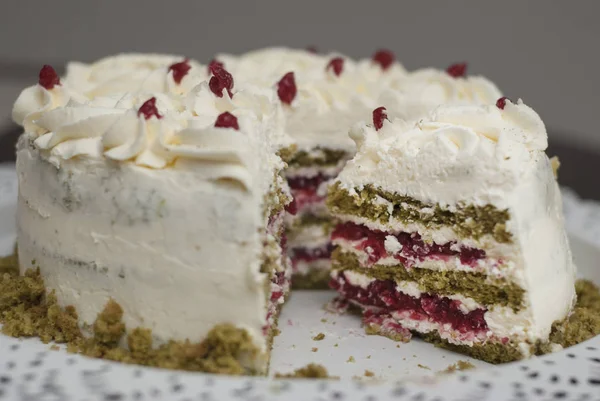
x,y
450,291
276,263
308,176
399,309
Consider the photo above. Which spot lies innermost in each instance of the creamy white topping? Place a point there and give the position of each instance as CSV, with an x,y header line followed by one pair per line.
x,y
132,72
65,126
457,153
412,96
326,105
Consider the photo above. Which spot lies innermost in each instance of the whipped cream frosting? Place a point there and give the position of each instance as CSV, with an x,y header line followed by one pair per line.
x,y
413,95
132,72
457,153
326,105
64,125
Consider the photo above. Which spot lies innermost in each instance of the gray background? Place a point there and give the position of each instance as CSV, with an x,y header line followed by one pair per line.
x,y
543,51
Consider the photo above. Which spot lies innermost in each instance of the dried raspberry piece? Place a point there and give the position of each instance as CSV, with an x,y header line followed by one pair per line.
x,y
148,109
214,62
227,120
286,88
500,103
385,58
220,80
379,115
312,49
292,207
48,77
180,70
457,70
337,65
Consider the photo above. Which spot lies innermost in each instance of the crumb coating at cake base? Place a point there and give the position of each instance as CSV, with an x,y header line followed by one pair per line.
x,y
435,178
161,212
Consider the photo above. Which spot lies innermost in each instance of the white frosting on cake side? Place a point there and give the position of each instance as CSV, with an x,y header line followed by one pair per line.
x,y
481,155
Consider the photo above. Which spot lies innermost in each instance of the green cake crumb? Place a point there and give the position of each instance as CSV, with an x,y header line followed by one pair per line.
x,y
310,371
323,320
319,337
584,321
424,367
458,366
351,359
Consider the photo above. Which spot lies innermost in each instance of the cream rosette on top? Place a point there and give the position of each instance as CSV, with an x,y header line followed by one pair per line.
x,y
158,130
130,73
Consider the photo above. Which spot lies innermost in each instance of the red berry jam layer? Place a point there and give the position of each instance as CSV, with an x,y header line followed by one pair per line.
x,y
414,249
382,296
306,189
311,254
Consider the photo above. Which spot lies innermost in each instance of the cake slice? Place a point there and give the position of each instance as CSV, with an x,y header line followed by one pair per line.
x,y
322,96
451,228
169,203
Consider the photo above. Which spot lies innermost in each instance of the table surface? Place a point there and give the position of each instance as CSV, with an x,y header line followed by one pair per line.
x,y
578,168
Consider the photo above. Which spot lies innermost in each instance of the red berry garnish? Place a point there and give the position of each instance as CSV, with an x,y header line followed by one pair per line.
x,y
292,207
227,120
312,49
48,77
337,65
457,70
385,58
286,88
148,109
180,70
214,62
379,115
220,80
500,103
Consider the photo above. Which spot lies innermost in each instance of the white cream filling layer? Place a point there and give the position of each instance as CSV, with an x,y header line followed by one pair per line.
x,y
309,236
312,171
303,267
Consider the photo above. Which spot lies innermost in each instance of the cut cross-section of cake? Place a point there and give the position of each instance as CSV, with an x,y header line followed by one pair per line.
x,y
452,229
322,96
169,203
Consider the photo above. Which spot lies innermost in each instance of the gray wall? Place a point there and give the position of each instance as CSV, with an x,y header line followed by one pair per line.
x,y
543,51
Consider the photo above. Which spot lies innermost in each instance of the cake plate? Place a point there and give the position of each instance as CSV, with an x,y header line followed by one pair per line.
x,y
370,368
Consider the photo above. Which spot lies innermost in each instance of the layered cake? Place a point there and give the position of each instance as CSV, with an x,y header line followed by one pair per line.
x,y
164,203
451,228
322,96
155,195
